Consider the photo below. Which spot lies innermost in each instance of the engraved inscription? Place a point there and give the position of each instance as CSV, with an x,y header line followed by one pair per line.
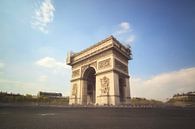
x,y
104,64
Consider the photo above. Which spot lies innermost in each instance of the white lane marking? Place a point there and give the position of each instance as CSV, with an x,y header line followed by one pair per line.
x,y
47,114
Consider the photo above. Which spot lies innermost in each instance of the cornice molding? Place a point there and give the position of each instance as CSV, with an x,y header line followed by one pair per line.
x,y
115,45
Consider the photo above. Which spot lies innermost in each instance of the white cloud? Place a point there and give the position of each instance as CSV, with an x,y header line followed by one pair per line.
x,y
124,27
125,31
43,78
2,65
17,83
2,81
21,87
165,85
46,74
50,62
130,39
43,16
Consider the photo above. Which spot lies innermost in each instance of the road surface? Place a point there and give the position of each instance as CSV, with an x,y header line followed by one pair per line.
x,y
29,117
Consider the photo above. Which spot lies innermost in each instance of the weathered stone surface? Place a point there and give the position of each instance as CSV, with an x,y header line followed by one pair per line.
x,y
97,73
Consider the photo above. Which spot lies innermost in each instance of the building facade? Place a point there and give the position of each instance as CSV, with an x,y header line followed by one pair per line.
x,y
100,74
49,94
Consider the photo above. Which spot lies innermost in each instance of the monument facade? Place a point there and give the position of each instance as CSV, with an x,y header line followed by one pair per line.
x,y
100,74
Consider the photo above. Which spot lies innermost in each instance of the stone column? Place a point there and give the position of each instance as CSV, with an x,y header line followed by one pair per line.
x,y
116,88
83,91
127,90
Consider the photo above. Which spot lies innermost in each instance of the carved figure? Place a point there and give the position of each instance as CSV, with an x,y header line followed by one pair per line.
x,y
104,64
74,90
104,85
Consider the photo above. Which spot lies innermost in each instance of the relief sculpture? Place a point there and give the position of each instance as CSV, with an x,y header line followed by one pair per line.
x,y
104,86
104,64
76,73
74,90
100,74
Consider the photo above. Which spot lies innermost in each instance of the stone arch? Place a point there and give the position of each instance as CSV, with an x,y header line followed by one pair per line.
x,y
85,68
106,64
121,86
89,76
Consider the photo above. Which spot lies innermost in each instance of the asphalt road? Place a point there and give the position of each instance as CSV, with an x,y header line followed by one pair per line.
x,y
96,118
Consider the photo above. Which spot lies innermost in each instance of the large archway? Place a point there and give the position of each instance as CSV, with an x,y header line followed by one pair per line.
x,y
121,89
100,74
90,78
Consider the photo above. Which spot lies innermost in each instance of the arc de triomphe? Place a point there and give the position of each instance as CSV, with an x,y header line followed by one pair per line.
x,y
100,74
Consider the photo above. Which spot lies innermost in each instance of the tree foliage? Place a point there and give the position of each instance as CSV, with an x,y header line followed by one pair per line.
x,y
17,98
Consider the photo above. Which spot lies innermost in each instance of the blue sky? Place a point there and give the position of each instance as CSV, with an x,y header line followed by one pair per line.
x,y
35,36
